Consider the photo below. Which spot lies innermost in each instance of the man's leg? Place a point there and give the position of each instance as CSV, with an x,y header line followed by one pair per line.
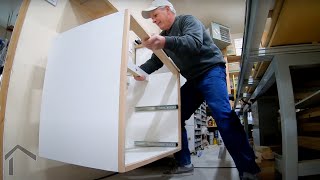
x,y
214,89
190,101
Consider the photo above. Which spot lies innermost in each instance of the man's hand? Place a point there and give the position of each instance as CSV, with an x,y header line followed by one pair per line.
x,y
139,78
155,42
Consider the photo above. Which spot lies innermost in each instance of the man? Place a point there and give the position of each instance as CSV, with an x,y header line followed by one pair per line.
x,y
185,40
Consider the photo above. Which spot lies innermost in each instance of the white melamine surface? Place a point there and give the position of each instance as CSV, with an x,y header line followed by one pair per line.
x,y
80,104
161,89
157,126
138,154
152,126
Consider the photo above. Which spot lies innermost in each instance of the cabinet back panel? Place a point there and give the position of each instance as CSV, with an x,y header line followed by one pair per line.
x,y
80,104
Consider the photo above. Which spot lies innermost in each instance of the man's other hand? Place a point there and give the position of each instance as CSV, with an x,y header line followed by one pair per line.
x,y
139,78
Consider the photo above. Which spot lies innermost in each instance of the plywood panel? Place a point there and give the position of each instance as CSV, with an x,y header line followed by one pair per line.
x,y
6,75
80,104
24,78
297,23
83,12
271,23
43,22
309,142
94,8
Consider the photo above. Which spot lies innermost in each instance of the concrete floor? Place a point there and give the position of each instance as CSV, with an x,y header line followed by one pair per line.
x,y
211,164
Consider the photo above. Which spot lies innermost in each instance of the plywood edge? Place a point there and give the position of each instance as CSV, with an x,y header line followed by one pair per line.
x,y
262,66
262,69
95,9
142,34
179,112
139,46
123,92
274,18
7,71
132,166
297,28
232,59
228,76
111,6
309,113
309,142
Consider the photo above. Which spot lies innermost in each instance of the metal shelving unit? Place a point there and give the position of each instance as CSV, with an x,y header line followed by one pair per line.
x,y
282,58
3,51
194,126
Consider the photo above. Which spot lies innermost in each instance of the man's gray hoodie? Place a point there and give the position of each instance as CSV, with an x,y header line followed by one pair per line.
x,y
189,46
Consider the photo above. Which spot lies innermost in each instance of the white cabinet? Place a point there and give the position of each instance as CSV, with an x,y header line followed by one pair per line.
x,y
88,113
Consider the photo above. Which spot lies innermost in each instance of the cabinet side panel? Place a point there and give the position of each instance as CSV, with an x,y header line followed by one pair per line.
x,y
80,105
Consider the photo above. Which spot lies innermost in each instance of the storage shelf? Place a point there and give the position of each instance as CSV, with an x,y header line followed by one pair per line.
x,y
198,117
283,59
310,101
305,167
235,73
232,59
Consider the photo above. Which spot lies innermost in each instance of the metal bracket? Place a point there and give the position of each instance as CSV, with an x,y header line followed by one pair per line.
x,y
157,108
155,144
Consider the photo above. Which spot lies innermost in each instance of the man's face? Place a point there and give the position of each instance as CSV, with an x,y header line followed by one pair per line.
x,y
159,16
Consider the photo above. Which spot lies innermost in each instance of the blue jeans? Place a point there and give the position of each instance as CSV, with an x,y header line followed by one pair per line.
x,y
212,88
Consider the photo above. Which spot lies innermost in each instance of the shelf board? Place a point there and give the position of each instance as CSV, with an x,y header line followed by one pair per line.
x,y
312,100
94,8
232,59
309,142
137,154
236,73
306,31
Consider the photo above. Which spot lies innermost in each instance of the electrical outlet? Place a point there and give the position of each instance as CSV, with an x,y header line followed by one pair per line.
x,y
53,2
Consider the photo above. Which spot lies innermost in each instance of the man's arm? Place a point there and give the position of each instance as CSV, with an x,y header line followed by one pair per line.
x,y
190,41
150,66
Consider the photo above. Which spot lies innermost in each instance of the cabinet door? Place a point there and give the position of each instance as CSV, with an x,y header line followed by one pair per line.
x,y
79,121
